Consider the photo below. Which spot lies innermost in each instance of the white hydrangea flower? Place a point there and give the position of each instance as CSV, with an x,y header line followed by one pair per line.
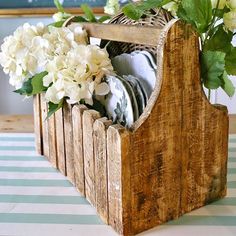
x,y
172,7
231,4
78,75
230,20
19,57
221,5
60,16
61,40
112,7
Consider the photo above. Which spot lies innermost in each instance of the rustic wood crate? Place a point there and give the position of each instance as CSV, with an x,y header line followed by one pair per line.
x,y
173,159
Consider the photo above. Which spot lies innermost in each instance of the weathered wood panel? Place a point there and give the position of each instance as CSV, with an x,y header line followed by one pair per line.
x,y
118,144
44,122
38,125
68,135
61,156
100,156
89,117
77,113
52,140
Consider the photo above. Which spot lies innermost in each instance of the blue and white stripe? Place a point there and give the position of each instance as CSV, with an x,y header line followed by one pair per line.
x,y
35,199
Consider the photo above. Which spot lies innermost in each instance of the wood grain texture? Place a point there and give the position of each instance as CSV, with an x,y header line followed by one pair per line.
x,y
88,119
118,144
100,157
27,12
175,165
16,123
68,135
44,122
60,144
122,33
52,140
38,125
77,113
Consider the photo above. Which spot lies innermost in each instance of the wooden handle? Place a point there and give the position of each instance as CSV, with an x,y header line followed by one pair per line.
x,y
124,33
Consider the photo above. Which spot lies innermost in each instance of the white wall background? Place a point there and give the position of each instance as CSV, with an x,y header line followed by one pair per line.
x,y
11,103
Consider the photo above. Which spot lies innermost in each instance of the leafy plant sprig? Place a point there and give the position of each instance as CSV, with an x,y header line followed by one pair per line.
x,y
214,21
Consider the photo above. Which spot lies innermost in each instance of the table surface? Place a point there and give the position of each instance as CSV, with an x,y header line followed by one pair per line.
x,y
35,199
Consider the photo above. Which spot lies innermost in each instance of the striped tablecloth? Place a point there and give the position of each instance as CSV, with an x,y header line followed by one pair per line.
x,y
35,199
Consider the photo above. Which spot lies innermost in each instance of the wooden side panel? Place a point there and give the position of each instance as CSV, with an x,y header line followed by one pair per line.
x,y
44,110
61,156
100,157
175,164
88,119
52,141
68,135
77,113
38,125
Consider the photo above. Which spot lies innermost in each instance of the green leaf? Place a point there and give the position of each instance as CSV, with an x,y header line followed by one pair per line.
x,y
59,6
149,4
26,88
227,85
79,19
136,11
212,68
103,18
132,11
230,62
57,24
33,85
37,83
196,12
52,108
88,13
220,41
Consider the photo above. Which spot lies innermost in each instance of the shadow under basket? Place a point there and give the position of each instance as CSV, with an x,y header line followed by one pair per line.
x,y
171,161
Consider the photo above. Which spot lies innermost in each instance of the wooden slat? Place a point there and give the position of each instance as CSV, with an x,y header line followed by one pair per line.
x,y
38,125
44,11
52,141
100,156
61,156
89,117
68,135
44,121
118,164
77,113
124,33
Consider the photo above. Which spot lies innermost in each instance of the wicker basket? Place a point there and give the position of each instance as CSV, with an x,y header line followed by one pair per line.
x,y
174,157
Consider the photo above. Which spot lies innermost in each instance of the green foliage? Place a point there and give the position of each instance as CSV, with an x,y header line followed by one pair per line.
x,y
52,108
103,18
33,85
196,12
57,24
227,85
212,68
230,61
136,11
59,6
220,40
88,13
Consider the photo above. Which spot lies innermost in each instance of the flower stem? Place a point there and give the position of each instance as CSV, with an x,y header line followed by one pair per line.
x,y
209,94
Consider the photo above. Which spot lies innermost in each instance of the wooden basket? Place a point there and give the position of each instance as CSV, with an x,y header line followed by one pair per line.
x,y
171,161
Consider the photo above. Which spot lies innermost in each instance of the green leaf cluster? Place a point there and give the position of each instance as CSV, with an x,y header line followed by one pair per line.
x,y
218,56
33,85
136,10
